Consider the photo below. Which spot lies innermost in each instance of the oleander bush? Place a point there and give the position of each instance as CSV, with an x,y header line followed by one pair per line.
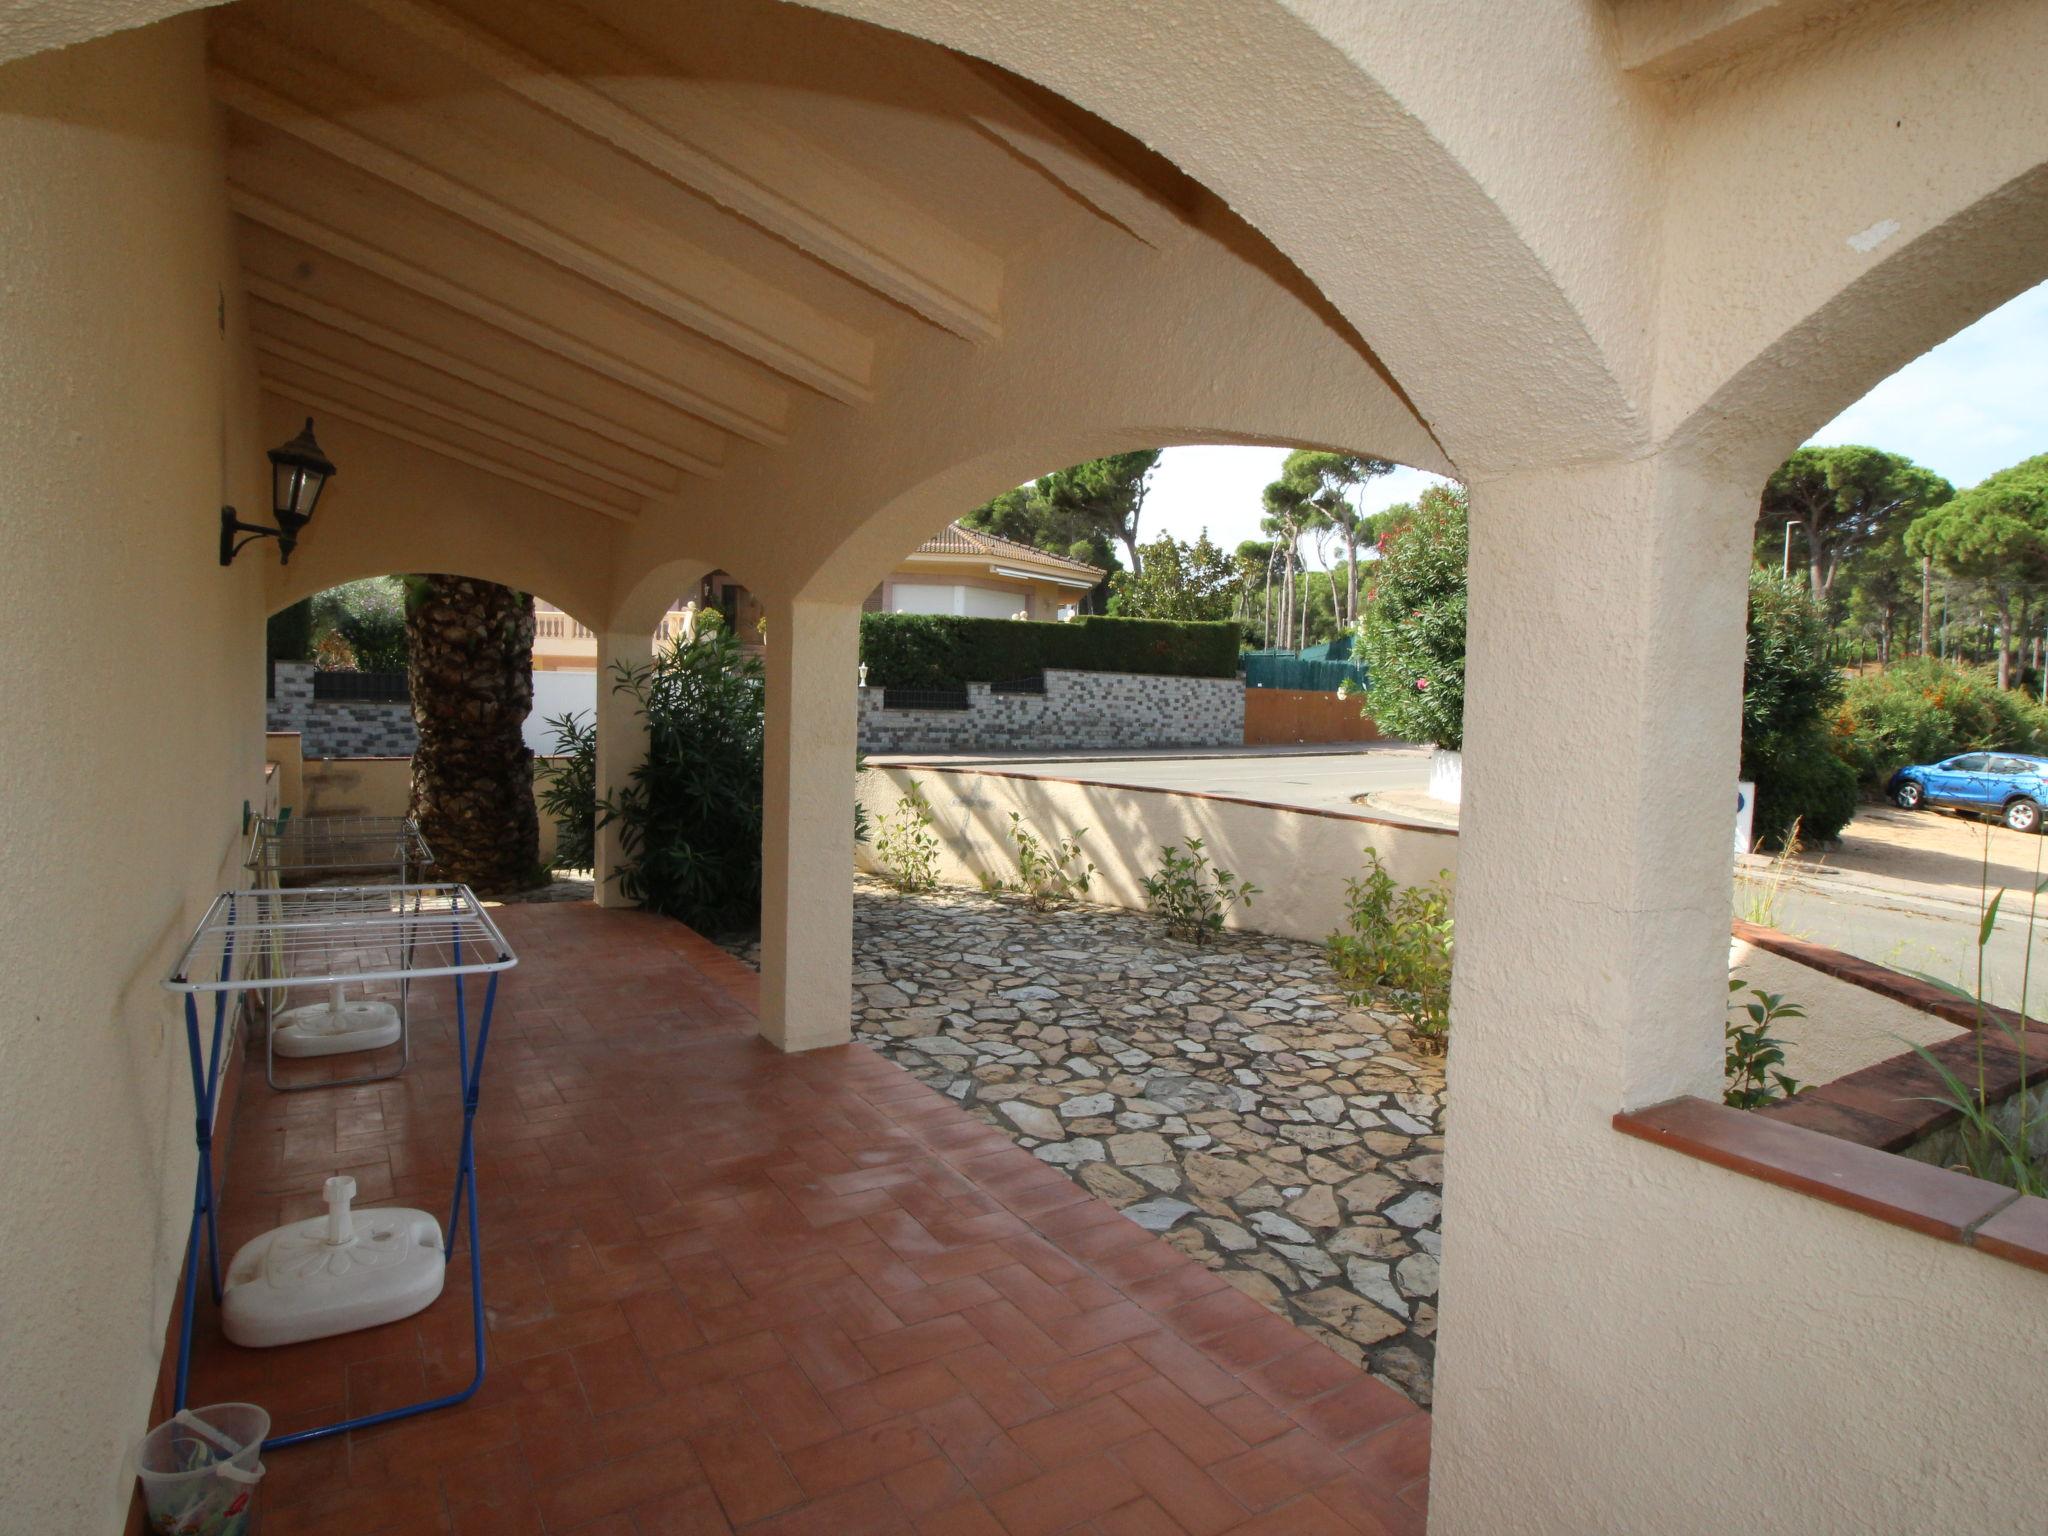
x,y
1790,689
567,789
690,815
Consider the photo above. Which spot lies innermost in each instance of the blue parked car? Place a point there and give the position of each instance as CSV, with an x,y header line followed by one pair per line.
x,y
2001,784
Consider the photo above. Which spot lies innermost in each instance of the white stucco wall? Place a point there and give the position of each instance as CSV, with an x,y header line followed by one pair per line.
x,y
1298,858
134,688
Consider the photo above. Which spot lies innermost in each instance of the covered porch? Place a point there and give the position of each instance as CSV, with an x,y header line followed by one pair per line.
x,y
733,1289
593,301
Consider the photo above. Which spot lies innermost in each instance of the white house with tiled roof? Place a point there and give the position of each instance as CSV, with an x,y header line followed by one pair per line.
x,y
978,575
957,570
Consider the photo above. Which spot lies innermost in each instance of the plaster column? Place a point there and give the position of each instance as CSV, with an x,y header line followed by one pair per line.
x,y
807,831
621,747
1604,681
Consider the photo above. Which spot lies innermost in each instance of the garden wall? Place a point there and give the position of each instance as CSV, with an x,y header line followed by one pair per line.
x,y
1289,716
1855,1015
357,786
1079,711
1299,857
337,727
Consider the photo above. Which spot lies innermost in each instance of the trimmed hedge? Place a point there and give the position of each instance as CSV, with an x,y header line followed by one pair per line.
x,y
924,650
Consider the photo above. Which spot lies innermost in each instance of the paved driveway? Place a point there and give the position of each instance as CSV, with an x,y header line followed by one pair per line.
x,y
1322,778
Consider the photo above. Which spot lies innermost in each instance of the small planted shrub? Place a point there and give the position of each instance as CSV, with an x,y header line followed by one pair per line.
x,y
1191,895
1046,876
568,790
907,845
1395,947
1755,1056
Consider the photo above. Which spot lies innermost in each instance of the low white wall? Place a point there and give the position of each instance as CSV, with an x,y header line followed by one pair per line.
x,y
1299,858
1846,1028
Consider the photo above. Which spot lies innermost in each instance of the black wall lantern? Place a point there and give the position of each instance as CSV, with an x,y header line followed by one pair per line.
x,y
298,471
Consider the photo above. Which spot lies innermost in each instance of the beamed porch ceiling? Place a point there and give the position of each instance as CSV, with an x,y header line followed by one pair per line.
x,y
553,243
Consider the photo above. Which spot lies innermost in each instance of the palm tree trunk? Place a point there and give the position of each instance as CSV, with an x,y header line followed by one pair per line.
x,y
472,685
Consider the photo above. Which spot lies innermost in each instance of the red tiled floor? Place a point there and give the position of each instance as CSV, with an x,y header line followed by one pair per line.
x,y
734,1291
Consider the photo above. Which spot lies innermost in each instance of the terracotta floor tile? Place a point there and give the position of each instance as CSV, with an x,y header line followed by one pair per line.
x,y
1058,1499
1074,1434
743,1469
1195,1500
733,1290
1266,1475
860,1454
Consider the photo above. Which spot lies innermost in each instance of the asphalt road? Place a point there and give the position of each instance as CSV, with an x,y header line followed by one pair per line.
x,y
1323,780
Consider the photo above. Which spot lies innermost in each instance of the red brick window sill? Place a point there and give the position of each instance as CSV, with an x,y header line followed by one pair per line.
x,y
1937,1202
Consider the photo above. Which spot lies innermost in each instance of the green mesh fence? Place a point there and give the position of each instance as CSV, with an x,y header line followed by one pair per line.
x,y
1285,669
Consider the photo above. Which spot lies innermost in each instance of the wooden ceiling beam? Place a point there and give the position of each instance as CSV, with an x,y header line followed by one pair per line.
x,y
529,206
261,209
789,185
291,358
279,271
446,443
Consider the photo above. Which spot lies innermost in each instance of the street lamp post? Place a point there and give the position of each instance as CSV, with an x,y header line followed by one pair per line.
x,y
1785,570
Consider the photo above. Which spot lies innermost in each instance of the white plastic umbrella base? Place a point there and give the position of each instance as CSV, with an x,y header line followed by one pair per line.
x,y
333,1274
323,1029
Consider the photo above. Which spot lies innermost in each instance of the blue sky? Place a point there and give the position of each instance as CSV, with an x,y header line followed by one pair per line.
x,y
1974,404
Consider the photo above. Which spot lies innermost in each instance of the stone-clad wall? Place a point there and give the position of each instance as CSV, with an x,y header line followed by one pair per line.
x,y
337,727
1079,711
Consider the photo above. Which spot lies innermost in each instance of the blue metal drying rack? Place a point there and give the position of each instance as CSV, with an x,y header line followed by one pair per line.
x,y
321,937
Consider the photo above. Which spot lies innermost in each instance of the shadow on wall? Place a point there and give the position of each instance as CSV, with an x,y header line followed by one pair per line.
x,y
1300,858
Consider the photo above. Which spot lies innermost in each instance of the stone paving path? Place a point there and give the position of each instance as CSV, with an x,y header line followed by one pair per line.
x,y
1225,1096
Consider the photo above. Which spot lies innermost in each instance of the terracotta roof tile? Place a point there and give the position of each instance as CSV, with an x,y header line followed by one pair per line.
x,y
957,539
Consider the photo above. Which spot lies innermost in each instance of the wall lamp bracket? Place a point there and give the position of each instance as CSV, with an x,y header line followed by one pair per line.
x,y
299,471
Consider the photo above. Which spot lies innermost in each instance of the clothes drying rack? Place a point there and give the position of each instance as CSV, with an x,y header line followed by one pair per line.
x,y
353,850
318,937
299,850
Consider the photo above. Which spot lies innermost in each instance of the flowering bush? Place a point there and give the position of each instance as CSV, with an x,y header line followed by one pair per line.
x,y
1922,710
1412,637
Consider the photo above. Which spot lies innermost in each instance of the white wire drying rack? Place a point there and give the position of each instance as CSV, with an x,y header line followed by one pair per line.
x,y
318,936
292,850
288,852
323,937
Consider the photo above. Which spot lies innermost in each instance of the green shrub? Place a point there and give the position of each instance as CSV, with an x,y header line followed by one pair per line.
x,y
1192,896
368,616
568,790
1046,876
690,817
1396,945
1799,782
921,650
1922,710
906,844
1412,638
1754,1056
1789,688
